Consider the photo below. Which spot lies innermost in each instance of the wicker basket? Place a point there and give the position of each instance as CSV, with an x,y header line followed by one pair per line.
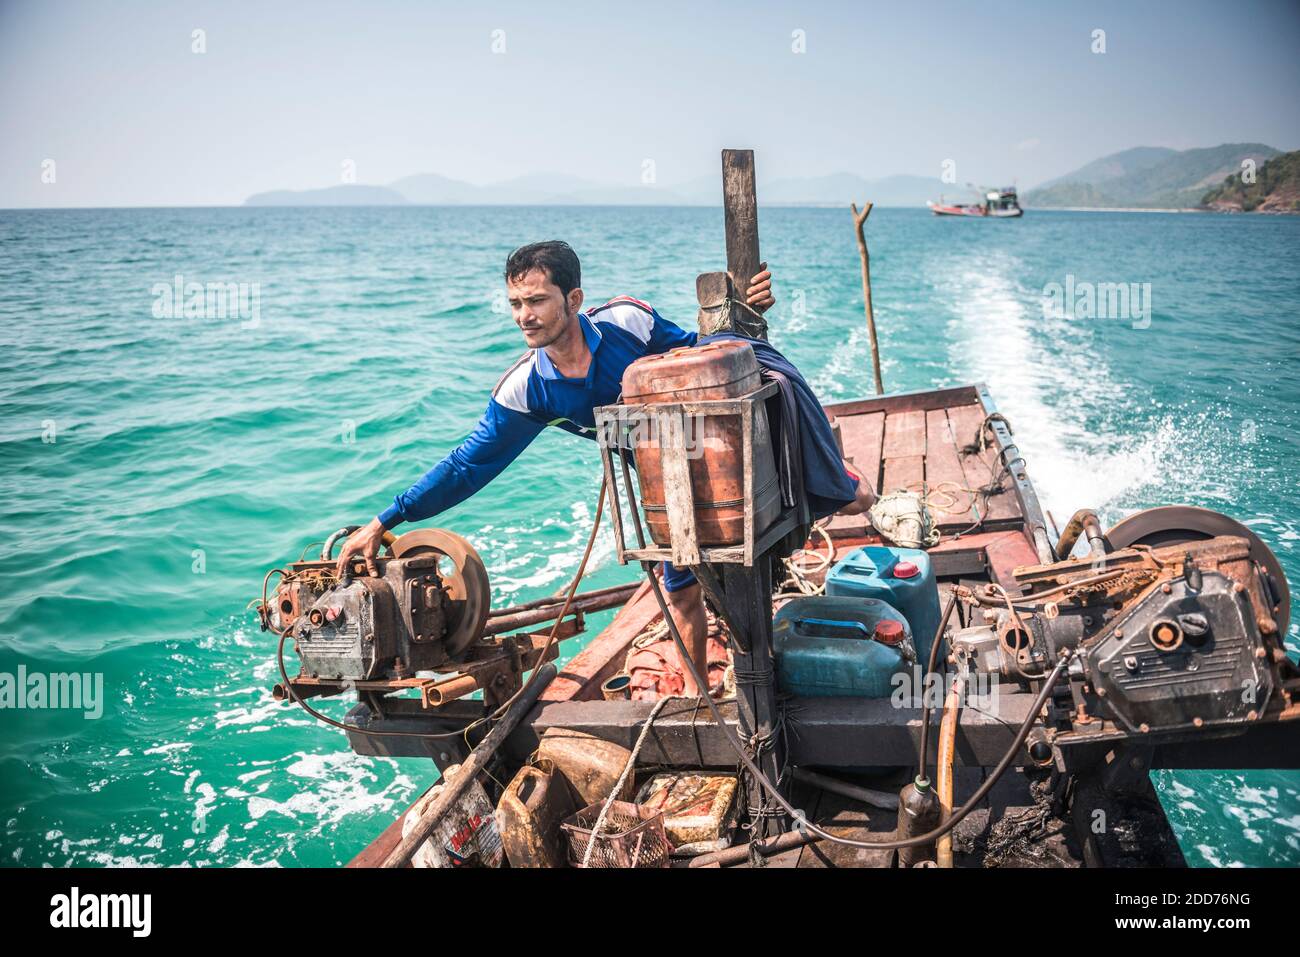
x,y
632,836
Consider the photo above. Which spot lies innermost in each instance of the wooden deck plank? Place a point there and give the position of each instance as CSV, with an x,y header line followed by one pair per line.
x,y
943,467
903,451
905,472
904,434
980,468
862,437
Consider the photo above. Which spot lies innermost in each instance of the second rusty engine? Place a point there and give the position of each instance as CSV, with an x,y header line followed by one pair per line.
x,y
1176,630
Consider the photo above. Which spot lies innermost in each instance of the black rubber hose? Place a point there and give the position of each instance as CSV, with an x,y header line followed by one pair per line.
x,y
923,752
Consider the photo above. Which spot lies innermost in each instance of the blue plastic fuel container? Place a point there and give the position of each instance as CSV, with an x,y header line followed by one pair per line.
x,y
903,577
839,647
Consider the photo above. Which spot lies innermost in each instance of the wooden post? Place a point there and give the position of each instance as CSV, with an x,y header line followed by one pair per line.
x,y
740,214
747,593
859,220
740,218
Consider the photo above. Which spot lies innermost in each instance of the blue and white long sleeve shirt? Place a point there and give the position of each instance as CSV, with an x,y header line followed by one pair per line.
x,y
533,395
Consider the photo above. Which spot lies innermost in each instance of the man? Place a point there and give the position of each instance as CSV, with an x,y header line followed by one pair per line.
x,y
575,363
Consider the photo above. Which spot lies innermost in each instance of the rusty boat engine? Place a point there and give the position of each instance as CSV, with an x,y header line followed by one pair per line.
x,y
1176,621
422,613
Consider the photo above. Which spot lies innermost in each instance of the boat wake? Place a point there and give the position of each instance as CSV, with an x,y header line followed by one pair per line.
x,y
1084,440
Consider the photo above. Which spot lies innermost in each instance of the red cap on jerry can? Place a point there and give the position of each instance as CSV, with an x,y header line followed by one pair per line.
x,y
906,570
888,631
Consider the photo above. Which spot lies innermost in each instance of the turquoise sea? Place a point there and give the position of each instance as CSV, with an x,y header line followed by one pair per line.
x,y
155,465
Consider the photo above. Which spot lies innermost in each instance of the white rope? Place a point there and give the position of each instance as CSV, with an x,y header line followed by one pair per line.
x,y
622,778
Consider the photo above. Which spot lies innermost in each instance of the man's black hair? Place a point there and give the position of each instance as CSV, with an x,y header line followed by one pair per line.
x,y
554,257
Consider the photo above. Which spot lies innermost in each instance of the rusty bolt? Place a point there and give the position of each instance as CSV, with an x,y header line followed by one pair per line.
x,y
1144,727
1166,588
1252,714
1198,722
1119,632
1267,625
1261,652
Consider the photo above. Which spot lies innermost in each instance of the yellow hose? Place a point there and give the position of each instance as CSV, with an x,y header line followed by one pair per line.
x,y
947,751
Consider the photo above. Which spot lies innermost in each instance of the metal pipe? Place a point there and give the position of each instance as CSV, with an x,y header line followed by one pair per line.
x,y
1083,521
740,853
327,550
450,689
628,587
515,620
454,788
881,799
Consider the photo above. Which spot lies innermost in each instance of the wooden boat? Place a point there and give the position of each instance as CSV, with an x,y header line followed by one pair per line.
x,y
929,438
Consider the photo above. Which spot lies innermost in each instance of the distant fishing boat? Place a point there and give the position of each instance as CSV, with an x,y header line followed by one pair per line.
x,y
997,204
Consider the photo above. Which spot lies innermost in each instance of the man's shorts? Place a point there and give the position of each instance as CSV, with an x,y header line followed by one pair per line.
x,y
675,579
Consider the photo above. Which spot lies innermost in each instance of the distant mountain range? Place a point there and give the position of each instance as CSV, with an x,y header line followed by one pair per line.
x,y
557,189
1150,177
1144,177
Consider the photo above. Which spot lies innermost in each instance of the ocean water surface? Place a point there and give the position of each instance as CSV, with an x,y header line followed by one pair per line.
x,y
156,464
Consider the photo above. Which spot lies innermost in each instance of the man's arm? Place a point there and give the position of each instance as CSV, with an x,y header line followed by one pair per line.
x,y
502,434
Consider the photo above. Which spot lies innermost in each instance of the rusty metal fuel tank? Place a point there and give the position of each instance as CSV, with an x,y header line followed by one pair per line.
x,y
726,369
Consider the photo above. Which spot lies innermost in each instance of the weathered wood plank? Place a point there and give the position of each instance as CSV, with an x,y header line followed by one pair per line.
x,y
943,468
863,437
904,472
980,468
923,400
904,434
679,498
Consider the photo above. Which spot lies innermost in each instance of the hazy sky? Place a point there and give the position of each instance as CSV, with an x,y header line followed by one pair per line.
x,y
287,91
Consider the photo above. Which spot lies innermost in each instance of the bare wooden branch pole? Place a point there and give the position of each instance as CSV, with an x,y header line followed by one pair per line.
x,y
859,221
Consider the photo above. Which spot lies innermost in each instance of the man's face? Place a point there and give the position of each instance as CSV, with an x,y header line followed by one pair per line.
x,y
540,310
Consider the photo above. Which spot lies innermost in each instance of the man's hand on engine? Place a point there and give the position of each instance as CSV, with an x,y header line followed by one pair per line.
x,y
760,290
364,542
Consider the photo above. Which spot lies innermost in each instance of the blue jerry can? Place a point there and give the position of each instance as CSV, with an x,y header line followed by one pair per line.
x,y
903,577
836,647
